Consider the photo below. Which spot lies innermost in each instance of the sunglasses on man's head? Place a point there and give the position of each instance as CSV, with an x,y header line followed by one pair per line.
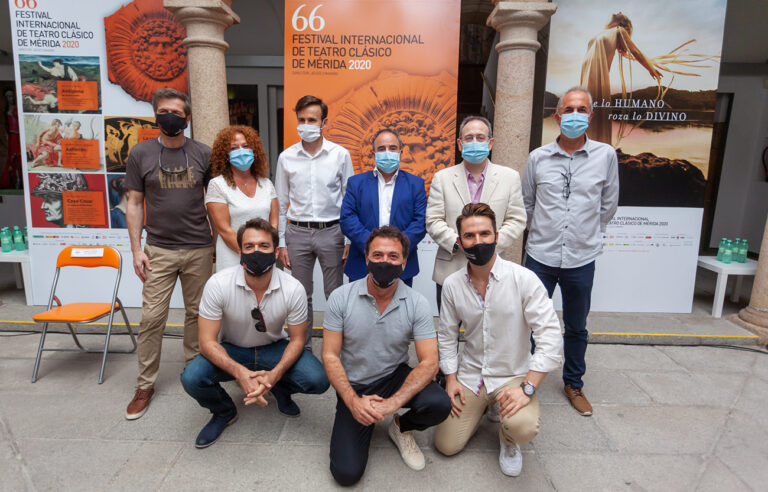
x,y
261,327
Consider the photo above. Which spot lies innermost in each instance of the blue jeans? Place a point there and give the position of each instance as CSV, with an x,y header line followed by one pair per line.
x,y
201,379
576,288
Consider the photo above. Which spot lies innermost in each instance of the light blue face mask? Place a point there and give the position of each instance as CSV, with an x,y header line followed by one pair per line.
x,y
387,161
475,152
241,159
573,125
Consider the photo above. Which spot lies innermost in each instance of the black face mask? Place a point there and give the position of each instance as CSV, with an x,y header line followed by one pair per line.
x,y
257,263
480,253
171,124
384,273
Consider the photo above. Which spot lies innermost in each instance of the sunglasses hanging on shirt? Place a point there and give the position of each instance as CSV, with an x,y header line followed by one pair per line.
x,y
261,327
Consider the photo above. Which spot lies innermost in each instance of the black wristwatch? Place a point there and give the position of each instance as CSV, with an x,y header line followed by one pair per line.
x,y
455,247
528,388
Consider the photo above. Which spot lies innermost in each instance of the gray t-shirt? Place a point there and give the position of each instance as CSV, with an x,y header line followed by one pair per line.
x,y
176,215
375,344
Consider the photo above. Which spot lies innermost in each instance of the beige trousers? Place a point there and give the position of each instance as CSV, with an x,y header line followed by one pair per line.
x,y
193,267
453,433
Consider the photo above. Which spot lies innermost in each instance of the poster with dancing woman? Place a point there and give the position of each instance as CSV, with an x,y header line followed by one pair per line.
x,y
652,69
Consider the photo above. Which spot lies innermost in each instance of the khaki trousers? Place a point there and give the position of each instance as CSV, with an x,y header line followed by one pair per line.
x,y
453,433
193,267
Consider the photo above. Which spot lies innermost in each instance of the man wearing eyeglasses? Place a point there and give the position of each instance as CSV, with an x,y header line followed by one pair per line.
x,y
168,174
242,314
571,191
476,179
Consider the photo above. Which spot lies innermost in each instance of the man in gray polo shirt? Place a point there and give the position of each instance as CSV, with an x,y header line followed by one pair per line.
x,y
368,327
242,314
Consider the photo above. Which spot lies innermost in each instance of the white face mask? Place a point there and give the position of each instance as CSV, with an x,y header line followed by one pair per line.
x,y
309,133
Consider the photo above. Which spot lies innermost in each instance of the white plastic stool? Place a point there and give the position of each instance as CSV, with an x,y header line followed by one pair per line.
x,y
723,270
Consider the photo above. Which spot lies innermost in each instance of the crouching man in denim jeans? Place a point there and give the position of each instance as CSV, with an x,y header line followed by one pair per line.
x,y
242,314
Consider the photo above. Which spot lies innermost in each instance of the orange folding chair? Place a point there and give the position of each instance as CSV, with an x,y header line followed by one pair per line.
x,y
83,312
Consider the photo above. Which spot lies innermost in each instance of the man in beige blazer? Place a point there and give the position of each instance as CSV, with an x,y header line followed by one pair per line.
x,y
475,179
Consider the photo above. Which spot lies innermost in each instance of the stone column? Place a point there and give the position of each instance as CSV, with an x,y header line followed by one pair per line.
x,y
205,21
518,24
755,316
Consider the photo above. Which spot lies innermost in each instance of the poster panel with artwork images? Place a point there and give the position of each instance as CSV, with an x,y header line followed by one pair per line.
x,y
63,142
121,133
72,67
652,69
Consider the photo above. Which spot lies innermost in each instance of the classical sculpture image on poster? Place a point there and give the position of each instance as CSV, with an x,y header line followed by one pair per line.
x,y
51,207
145,50
653,79
43,77
121,133
421,109
47,145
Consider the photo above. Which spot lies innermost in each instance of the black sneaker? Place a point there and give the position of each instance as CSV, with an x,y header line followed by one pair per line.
x,y
285,403
213,429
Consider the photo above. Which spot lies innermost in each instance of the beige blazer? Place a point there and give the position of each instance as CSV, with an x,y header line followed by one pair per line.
x,y
449,193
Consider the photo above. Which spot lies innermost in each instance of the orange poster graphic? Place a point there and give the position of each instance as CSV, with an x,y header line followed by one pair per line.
x,y
84,208
148,133
78,95
80,153
377,64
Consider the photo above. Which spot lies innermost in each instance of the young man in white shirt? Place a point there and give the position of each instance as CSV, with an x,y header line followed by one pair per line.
x,y
500,305
242,314
310,182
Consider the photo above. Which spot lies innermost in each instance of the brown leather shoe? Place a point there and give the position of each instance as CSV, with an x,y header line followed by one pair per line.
x,y
139,404
578,401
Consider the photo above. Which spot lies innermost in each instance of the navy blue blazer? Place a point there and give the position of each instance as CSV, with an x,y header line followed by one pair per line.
x,y
360,215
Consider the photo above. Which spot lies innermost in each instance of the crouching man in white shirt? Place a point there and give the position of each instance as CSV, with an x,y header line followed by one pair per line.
x,y
500,304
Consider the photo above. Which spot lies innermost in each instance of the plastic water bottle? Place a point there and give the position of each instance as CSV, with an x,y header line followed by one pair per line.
x,y
6,240
26,240
721,250
18,239
743,249
728,253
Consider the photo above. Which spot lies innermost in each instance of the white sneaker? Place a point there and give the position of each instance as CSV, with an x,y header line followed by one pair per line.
x,y
510,459
493,413
409,450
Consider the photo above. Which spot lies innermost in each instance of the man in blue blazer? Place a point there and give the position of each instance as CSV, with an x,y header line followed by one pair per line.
x,y
387,195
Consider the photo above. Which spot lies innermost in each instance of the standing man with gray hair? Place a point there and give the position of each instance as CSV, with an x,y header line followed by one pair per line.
x,y
168,173
310,181
387,195
475,179
571,191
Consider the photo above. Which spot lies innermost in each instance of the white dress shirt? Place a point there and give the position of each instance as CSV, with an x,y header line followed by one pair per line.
x,y
386,191
498,328
565,228
310,188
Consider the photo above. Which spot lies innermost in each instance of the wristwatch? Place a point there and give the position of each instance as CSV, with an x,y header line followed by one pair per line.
x,y
455,247
528,388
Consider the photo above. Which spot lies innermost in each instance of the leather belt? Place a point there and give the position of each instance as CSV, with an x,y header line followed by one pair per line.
x,y
314,225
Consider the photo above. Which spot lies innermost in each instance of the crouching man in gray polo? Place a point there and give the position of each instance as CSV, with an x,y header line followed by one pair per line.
x,y
242,314
368,327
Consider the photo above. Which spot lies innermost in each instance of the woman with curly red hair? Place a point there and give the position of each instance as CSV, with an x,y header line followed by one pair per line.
x,y
239,190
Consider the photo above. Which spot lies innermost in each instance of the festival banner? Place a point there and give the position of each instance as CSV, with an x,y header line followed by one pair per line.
x,y
84,81
652,68
377,64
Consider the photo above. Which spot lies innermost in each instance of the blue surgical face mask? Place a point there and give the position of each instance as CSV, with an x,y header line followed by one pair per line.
x,y
387,161
573,125
241,159
475,152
